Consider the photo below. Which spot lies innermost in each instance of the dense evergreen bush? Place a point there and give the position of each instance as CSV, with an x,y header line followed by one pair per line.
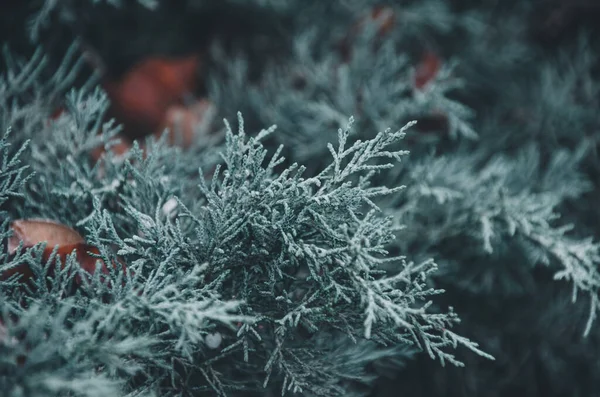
x,y
311,238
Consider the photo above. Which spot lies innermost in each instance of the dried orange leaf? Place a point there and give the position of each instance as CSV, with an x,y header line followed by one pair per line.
x,y
34,231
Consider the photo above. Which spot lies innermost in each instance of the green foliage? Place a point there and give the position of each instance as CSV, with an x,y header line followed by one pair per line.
x,y
508,200
298,261
317,88
494,199
59,357
249,281
12,176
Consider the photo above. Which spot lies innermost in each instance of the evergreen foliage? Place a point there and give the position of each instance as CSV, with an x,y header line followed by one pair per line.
x,y
281,258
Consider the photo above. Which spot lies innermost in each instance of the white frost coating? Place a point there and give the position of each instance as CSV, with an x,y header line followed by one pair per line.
x,y
169,206
213,341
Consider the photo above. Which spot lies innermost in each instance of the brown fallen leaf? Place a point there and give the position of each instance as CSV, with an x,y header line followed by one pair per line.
x,y
34,231
30,232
